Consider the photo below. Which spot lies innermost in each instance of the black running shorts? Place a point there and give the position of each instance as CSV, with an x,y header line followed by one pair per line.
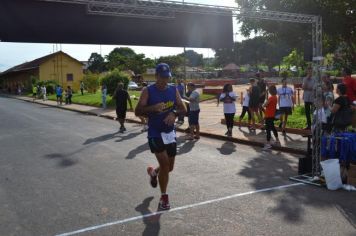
x,y
121,114
157,146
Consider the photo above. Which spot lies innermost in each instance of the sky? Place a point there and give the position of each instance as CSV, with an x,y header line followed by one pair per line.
x,y
12,54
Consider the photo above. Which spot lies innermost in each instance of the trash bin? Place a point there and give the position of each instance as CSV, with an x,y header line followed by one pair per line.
x,y
331,169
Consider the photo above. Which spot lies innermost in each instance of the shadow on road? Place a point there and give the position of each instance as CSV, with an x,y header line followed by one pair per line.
x,y
123,137
152,223
269,170
184,146
65,160
133,153
105,137
227,148
101,138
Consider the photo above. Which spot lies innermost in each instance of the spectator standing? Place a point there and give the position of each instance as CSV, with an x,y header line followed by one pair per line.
x,y
144,119
44,92
244,103
350,84
82,87
104,92
341,109
19,90
254,103
285,102
34,92
181,90
270,112
308,95
121,97
228,97
69,94
193,117
59,94
262,85
328,90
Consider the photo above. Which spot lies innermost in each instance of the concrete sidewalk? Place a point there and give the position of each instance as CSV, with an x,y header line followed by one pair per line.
x,y
210,123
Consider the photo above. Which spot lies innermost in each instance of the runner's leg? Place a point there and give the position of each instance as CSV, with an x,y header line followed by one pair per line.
x,y
164,168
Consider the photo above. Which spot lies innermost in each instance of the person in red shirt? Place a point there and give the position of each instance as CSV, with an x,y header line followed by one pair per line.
x,y
270,112
350,84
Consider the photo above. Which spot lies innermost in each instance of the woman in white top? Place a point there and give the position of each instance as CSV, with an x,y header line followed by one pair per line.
x,y
285,102
228,97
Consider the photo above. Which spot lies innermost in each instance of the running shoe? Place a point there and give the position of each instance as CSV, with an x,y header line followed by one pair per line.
x,y
153,176
164,203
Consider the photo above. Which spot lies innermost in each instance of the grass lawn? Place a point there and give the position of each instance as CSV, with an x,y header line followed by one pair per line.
x,y
296,120
92,99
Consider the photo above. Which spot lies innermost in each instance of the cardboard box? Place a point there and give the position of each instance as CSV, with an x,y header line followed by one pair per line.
x,y
351,181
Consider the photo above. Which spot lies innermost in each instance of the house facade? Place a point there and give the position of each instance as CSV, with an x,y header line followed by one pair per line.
x,y
58,67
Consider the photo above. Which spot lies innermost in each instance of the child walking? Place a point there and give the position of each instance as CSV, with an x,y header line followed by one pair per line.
x,y
270,111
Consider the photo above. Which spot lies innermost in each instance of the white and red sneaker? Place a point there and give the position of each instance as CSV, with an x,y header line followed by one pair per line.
x,y
153,176
164,203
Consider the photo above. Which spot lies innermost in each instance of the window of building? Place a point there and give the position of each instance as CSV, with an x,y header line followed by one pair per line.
x,y
69,77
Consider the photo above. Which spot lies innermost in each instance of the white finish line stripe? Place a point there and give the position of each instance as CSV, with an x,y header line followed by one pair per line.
x,y
178,209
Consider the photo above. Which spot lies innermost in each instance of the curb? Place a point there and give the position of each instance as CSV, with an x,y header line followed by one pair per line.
x,y
204,134
288,130
250,143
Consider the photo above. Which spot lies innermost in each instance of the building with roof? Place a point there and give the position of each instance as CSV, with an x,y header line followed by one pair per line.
x,y
58,67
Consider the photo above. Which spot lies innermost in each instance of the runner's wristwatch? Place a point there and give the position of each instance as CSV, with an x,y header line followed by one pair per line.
x,y
175,112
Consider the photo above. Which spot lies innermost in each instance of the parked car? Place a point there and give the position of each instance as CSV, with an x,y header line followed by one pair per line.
x,y
132,85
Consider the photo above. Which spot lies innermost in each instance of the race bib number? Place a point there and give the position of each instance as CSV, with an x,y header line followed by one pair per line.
x,y
168,137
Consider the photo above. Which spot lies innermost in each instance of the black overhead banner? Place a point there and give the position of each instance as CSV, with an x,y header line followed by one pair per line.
x,y
48,22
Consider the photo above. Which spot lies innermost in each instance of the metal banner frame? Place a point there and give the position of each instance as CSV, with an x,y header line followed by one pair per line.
x,y
161,9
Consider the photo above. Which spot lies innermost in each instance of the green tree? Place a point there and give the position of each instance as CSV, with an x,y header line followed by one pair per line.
x,y
96,63
296,59
126,59
112,78
259,50
118,57
339,24
139,63
193,58
173,61
91,82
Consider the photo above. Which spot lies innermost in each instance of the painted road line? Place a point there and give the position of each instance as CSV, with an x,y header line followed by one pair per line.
x,y
178,209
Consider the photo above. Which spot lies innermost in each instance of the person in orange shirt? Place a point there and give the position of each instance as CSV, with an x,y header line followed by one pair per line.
x,y
270,112
350,84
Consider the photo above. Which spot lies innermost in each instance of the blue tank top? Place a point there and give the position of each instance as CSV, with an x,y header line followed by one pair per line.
x,y
155,120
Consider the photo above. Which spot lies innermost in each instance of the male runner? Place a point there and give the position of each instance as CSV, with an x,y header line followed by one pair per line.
x,y
159,102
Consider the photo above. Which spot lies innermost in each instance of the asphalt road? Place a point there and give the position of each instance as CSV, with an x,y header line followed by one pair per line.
x,y
62,171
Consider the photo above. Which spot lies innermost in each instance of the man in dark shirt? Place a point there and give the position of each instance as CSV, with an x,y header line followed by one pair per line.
x,y
262,85
121,97
254,93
